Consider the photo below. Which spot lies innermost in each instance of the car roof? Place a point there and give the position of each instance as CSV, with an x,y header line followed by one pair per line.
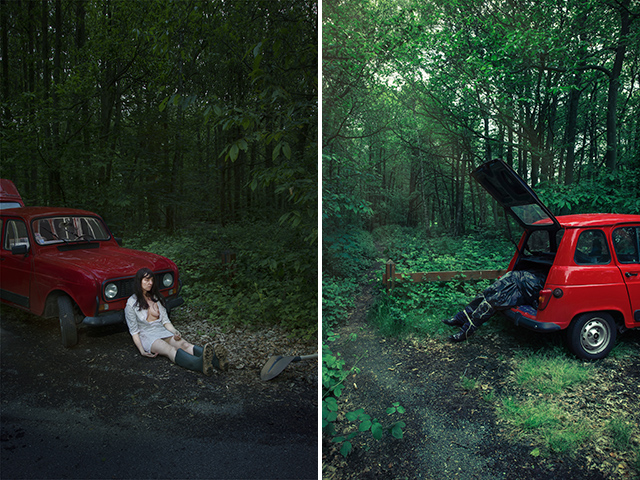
x,y
596,219
29,213
9,192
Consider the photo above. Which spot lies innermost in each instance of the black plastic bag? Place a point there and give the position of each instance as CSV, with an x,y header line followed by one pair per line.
x,y
515,288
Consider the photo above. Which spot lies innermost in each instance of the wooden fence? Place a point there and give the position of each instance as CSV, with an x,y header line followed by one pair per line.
x,y
391,277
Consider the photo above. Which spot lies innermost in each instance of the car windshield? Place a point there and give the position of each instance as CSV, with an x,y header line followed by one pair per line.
x,y
68,229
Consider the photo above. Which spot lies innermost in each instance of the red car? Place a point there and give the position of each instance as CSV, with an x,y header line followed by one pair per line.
x,y
65,263
592,263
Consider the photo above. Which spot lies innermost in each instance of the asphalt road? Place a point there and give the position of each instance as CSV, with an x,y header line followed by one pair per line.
x,y
100,410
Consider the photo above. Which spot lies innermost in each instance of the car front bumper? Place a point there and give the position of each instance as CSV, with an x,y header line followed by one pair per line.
x,y
113,318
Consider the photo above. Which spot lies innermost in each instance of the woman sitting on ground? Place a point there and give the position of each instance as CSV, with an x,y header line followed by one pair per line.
x,y
153,333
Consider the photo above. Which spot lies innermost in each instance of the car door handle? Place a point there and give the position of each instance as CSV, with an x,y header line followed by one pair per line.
x,y
629,274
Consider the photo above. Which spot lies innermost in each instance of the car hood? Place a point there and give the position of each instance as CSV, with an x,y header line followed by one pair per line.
x,y
107,262
517,198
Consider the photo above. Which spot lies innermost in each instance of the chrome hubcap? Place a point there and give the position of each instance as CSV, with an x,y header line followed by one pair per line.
x,y
595,335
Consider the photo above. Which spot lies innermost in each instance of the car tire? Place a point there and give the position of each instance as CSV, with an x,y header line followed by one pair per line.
x,y
68,327
591,336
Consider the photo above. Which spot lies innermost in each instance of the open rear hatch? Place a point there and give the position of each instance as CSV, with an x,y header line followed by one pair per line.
x,y
517,198
543,229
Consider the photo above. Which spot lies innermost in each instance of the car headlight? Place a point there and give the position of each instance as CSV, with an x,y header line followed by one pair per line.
x,y
110,291
167,280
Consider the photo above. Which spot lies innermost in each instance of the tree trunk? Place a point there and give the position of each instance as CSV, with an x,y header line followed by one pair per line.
x,y
614,86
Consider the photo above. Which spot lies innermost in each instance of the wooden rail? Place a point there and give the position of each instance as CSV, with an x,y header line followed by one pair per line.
x,y
390,277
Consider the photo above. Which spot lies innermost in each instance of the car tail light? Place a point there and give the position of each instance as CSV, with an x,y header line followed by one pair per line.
x,y
543,298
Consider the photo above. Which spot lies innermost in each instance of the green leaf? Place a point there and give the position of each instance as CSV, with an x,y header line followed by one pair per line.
x,y
233,152
331,404
163,104
346,449
376,431
276,151
351,416
535,452
364,426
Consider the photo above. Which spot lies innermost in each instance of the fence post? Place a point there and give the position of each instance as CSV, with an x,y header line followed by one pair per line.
x,y
228,258
390,274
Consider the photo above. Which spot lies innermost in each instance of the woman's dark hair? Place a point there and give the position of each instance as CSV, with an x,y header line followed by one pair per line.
x,y
156,296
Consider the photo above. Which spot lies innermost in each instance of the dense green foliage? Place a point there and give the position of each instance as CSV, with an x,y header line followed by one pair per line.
x,y
270,281
157,113
182,121
419,308
418,93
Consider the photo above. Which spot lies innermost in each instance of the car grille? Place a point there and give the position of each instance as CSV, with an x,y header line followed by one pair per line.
x,y
125,288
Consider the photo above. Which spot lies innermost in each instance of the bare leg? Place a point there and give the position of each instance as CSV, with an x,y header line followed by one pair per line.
x,y
182,343
162,347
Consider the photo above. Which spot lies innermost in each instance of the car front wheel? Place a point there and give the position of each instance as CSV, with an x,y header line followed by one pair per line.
x,y
68,327
592,335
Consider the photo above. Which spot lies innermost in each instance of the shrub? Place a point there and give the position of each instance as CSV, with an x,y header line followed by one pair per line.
x,y
273,280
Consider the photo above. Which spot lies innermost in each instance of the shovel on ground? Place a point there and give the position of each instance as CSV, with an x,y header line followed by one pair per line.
x,y
277,364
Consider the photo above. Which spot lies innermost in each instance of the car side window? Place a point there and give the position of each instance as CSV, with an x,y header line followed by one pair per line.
x,y
538,242
625,243
15,233
592,248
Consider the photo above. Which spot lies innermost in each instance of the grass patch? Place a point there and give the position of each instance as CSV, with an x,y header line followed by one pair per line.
x,y
541,416
551,373
468,383
545,422
620,432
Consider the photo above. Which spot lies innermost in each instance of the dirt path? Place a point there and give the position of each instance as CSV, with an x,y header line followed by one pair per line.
x,y
100,410
451,433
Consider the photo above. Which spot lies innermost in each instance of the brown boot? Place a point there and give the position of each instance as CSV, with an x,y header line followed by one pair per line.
x,y
219,359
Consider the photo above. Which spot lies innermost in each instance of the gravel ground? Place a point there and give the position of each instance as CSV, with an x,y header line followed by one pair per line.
x,y
101,410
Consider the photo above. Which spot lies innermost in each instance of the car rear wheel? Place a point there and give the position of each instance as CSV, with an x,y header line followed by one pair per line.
x,y
68,327
592,335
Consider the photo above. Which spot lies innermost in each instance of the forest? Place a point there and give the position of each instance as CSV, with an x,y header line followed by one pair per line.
x,y
415,95
418,93
190,126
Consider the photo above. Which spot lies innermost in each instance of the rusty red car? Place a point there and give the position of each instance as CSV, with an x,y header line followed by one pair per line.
x,y
65,263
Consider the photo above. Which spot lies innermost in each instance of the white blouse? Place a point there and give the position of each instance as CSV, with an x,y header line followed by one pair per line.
x,y
137,318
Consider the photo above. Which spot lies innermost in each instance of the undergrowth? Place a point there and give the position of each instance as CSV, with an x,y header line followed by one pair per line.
x,y
347,255
273,279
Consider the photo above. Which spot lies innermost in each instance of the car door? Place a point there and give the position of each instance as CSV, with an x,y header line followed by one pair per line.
x,y
515,196
15,268
626,242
